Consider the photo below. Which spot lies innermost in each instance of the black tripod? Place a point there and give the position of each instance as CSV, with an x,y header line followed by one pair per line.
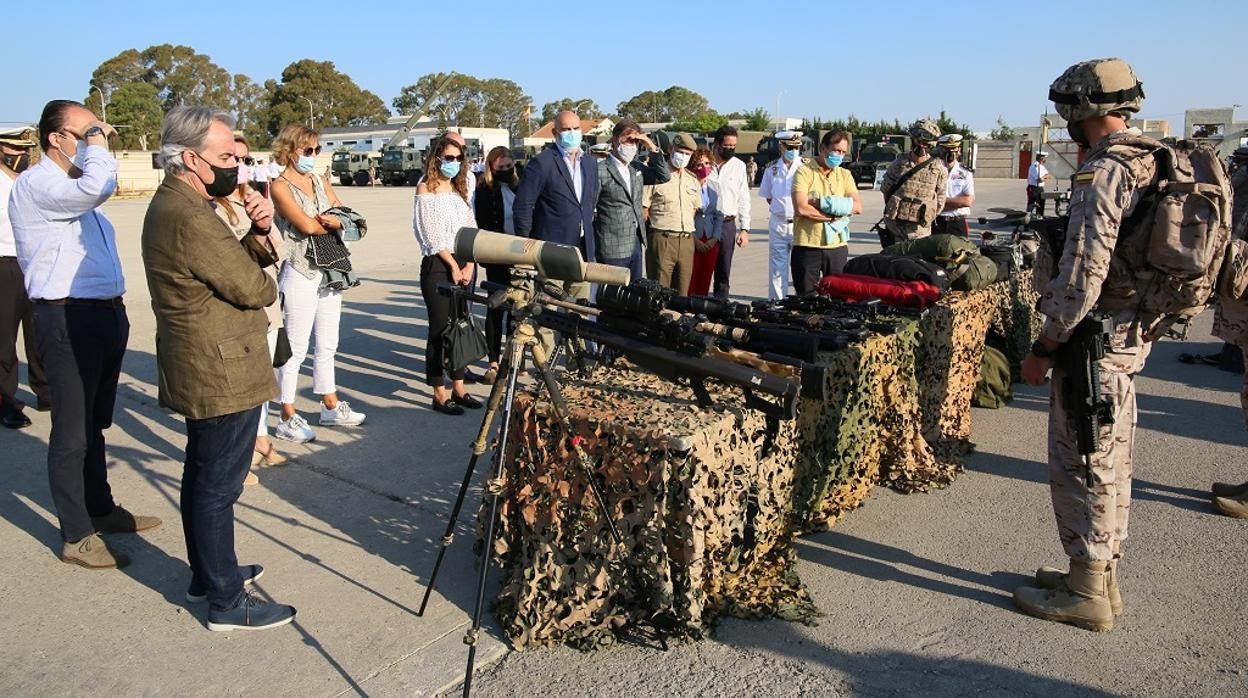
x,y
524,304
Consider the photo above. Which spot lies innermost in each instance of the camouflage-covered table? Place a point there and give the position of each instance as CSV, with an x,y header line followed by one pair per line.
x,y
702,504
1014,317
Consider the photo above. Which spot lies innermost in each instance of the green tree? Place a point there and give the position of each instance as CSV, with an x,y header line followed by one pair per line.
x,y
335,98
1003,132
468,101
179,74
948,125
757,120
673,104
250,104
134,109
587,108
706,122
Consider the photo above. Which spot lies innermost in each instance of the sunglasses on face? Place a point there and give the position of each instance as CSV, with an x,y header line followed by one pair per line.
x,y
309,152
452,158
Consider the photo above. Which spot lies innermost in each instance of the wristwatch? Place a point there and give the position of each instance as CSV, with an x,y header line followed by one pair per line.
x,y
93,131
1039,349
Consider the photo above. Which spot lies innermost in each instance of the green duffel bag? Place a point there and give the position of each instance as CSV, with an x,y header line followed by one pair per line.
x,y
977,272
993,389
950,251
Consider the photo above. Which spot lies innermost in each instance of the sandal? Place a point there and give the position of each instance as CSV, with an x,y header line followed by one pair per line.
x,y
269,459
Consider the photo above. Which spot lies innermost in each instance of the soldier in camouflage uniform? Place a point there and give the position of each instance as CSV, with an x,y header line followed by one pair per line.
x,y
1231,324
910,210
1094,272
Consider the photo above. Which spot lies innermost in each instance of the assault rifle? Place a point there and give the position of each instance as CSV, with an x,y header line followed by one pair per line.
x,y
1081,387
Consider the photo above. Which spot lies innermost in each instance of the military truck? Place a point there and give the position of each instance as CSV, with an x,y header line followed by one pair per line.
x,y
874,153
401,166
352,167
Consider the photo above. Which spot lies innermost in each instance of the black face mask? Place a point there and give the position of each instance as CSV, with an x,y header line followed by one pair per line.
x,y
727,153
921,149
224,182
951,157
507,175
1077,134
17,163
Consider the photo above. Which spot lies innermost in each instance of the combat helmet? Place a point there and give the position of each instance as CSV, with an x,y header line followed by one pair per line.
x,y
924,130
1096,88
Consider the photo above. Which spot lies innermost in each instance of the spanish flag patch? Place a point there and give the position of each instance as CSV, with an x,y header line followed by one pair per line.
x,y
1085,177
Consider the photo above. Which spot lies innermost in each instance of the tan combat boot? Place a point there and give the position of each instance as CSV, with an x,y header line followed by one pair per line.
x,y
92,553
1052,578
1082,600
1236,507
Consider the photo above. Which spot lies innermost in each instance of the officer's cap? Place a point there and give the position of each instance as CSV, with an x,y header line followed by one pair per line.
x,y
950,141
19,137
791,138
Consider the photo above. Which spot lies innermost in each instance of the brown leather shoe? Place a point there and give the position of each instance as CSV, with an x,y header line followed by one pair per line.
x,y
121,521
92,553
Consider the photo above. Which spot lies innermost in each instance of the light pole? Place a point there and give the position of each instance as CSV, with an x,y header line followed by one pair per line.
x,y
311,119
103,104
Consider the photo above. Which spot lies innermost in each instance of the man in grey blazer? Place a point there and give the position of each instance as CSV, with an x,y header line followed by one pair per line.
x,y
618,223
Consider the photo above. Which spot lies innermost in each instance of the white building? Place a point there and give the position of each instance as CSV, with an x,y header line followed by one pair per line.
x,y
375,136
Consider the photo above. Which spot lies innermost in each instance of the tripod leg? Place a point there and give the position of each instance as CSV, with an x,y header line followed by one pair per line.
x,y
492,490
478,447
562,413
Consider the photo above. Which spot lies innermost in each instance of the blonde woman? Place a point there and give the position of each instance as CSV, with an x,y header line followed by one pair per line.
x,y
300,198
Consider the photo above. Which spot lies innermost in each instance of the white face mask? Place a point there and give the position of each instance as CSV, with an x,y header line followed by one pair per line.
x,y
680,160
79,158
626,152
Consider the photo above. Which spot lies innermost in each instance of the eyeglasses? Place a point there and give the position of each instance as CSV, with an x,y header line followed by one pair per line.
x,y
309,152
452,158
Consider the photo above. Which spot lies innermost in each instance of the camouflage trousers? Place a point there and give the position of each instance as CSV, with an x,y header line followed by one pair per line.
x,y
1092,521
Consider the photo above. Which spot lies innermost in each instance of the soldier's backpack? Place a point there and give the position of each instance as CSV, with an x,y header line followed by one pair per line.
x,y
993,388
899,268
1179,233
968,270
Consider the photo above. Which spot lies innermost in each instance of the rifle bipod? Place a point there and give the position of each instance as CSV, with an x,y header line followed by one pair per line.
x,y
502,395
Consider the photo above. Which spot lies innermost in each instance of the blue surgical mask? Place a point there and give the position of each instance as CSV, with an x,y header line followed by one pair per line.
x,y
305,164
570,140
834,160
449,169
790,155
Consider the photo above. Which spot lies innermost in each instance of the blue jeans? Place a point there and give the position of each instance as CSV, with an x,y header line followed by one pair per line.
x,y
634,264
218,456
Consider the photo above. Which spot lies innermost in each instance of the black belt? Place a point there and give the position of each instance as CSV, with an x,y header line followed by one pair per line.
x,y
95,302
730,218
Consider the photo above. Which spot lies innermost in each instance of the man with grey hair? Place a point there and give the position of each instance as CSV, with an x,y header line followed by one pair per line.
x,y
209,292
67,250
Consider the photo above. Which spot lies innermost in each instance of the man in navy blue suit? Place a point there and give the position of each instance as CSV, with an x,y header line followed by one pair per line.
x,y
555,199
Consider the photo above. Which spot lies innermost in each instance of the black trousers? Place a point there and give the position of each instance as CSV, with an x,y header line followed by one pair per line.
x,y
951,225
1035,199
15,311
495,318
81,347
218,456
433,271
723,265
810,264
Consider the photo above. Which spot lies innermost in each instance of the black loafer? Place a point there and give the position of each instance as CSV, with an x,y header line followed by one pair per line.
x,y
467,401
14,420
448,407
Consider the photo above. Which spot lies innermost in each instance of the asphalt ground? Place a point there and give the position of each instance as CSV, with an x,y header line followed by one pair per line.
x,y
915,589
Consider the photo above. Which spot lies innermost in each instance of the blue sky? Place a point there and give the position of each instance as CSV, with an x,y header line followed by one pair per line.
x,y
871,59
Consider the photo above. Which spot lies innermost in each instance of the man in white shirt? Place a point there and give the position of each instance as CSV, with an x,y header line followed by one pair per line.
x,y
15,309
776,188
954,220
1036,177
734,202
67,250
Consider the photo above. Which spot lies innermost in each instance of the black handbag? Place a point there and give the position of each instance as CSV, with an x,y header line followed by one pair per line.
x,y
463,343
281,349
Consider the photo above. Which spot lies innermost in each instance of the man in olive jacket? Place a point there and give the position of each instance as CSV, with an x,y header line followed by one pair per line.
x,y
209,293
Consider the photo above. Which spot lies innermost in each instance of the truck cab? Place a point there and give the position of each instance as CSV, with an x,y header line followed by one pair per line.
x,y
874,154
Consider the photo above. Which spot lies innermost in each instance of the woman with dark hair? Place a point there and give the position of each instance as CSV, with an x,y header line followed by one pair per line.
x,y
707,223
495,196
441,210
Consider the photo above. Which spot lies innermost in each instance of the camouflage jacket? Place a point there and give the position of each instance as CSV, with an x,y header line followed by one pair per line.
x,y
930,186
1094,269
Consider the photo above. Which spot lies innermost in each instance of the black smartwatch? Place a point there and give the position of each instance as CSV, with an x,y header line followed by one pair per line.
x,y
1038,348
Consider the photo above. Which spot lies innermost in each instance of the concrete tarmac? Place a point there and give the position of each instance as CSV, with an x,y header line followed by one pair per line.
x,y
916,589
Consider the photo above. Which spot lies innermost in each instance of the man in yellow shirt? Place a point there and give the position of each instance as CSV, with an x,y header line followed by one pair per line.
x,y
668,209
824,198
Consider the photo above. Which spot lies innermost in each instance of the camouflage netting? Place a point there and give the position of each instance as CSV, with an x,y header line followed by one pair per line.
x,y
951,347
1014,318
701,503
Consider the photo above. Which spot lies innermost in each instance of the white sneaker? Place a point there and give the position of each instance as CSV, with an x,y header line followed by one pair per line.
x,y
341,416
295,429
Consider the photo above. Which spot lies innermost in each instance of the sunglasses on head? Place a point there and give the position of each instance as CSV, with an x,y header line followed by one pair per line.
x,y
452,158
309,152
247,160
